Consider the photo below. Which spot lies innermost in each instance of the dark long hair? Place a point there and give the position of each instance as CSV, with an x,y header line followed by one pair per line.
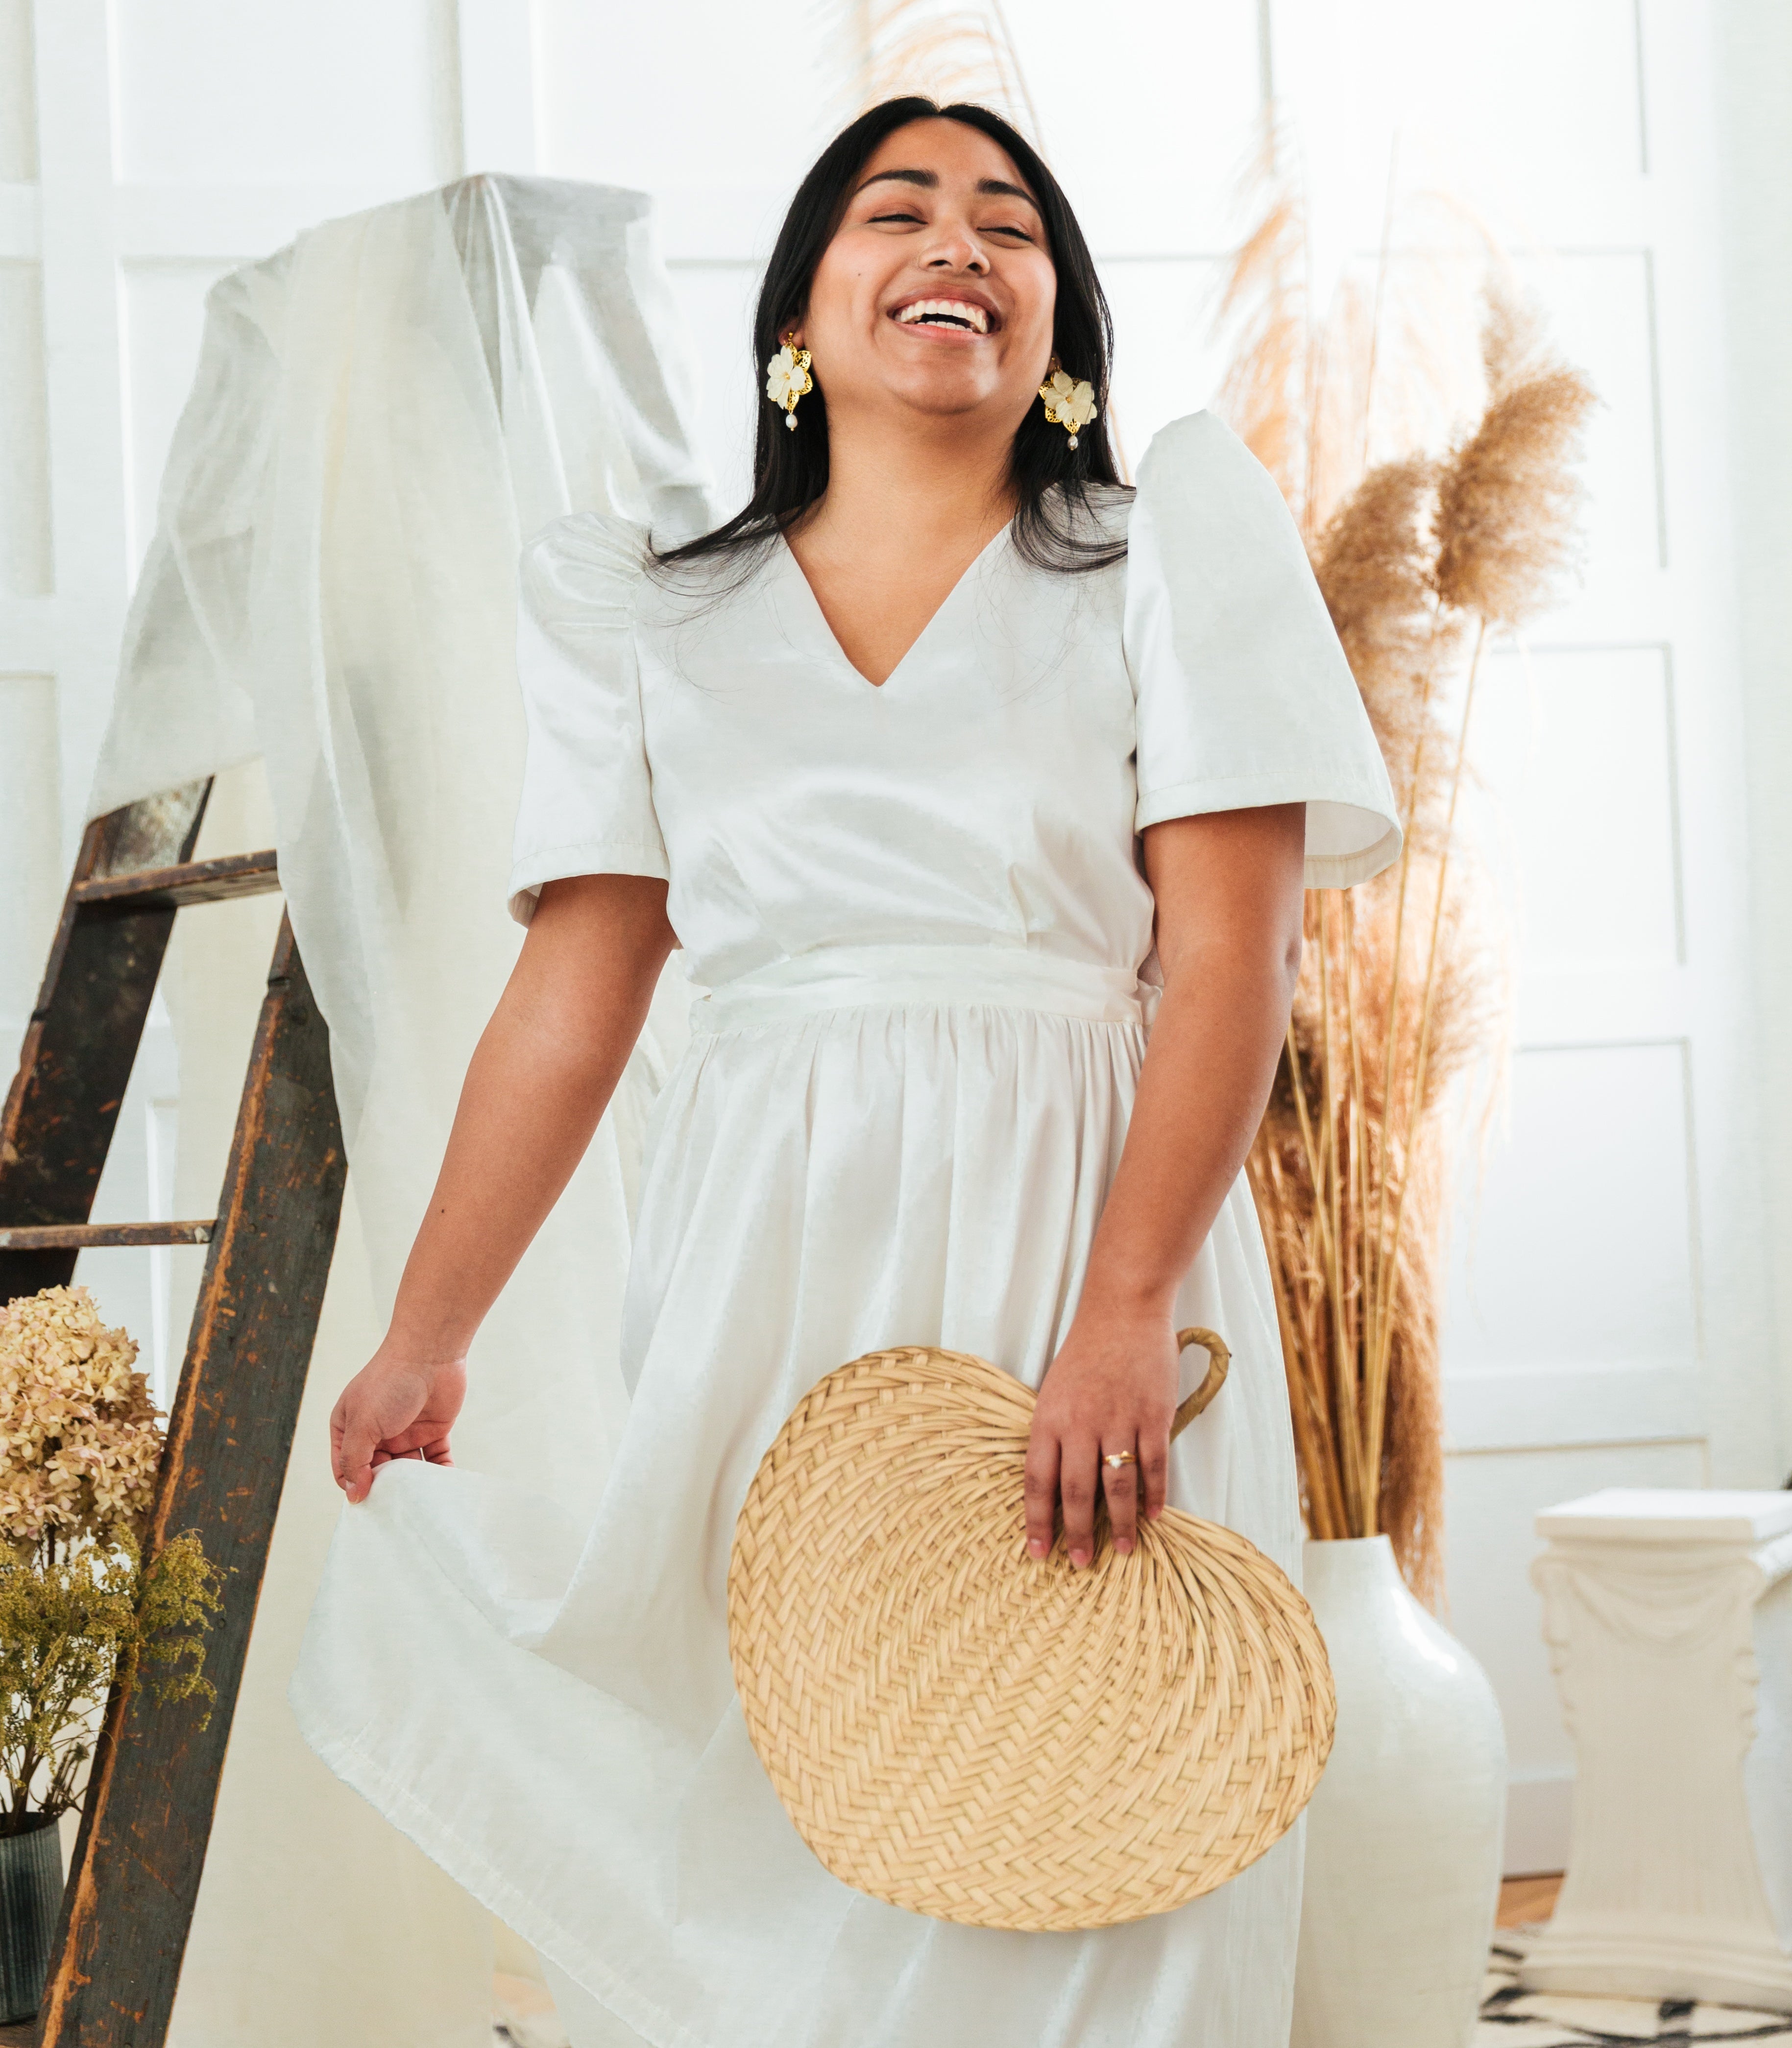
x,y
1053,528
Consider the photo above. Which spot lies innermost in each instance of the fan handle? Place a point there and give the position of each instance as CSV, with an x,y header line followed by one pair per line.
x,y
1219,1358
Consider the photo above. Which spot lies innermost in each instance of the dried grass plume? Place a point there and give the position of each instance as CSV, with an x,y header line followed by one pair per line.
x,y
1508,496
1420,555
881,49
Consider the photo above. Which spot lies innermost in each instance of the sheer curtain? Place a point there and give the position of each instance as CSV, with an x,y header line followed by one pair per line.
x,y
382,413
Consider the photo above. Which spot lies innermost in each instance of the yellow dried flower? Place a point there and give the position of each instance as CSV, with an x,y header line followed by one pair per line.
x,y
70,1628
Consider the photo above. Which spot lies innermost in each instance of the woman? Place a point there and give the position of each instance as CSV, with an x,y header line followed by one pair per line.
x,y
952,767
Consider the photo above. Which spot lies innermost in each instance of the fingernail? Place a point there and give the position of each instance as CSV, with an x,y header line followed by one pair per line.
x,y
1123,1545
1078,1558
1035,1548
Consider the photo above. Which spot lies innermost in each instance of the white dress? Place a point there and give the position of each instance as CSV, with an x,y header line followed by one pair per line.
x,y
919,914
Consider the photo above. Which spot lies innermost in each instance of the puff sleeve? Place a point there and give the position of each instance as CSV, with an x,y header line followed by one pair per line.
x,y
1243,693
587,806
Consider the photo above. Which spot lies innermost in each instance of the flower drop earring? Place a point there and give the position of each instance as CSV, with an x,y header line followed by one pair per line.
x,y
787,377
1069,401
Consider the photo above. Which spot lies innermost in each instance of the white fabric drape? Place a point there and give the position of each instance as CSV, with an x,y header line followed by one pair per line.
x,y
383,413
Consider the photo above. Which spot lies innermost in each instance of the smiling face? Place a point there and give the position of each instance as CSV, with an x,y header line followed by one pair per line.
x,y
936,293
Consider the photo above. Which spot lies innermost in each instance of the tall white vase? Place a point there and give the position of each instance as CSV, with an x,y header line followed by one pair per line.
x,y
1404,1834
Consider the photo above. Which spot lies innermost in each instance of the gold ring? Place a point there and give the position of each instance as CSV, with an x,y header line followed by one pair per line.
x,y
1119,1457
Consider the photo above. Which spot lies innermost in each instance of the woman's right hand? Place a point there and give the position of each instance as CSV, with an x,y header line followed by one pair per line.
x,y
395,1407
539,1079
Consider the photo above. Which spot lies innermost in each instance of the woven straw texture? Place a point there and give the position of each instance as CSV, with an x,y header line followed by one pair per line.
x,y
960,1729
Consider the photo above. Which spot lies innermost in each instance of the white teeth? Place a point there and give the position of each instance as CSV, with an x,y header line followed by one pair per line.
x,y
954,309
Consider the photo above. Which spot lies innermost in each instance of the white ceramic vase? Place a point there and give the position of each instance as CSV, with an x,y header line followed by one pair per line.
x,y
1404,1834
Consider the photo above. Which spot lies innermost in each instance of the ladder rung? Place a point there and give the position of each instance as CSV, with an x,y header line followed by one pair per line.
x,y
96,1236
192,881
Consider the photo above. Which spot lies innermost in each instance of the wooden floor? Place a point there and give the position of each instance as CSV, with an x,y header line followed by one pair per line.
x,y
1526,1899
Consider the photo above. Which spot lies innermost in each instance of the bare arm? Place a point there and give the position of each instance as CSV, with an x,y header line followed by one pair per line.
x,y
1228,890
540,1077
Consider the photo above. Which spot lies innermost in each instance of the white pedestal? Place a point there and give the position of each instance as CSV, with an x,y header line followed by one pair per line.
x,y
1669,1619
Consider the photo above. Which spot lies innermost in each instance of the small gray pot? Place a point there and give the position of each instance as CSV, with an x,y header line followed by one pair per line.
x,y
30,1900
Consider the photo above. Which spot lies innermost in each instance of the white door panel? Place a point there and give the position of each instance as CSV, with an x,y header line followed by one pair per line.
x,y
1607,1319
1577,744
24,533
213,92
1581,1249
162,315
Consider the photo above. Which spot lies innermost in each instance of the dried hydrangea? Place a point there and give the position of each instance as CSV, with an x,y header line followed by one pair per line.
x,y
79,1437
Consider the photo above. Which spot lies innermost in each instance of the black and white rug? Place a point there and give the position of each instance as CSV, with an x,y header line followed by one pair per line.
x,y
1513,2017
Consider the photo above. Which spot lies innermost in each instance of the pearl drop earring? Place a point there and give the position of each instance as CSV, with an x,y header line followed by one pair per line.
x,y
1069,401
787,378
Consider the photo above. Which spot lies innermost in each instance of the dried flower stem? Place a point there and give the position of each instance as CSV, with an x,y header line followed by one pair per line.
x,y
1379,1278
1306,1400
1381,285
1378,1366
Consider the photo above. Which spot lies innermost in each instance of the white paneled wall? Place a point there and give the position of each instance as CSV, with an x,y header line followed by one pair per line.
x,y
25,526
1754,408
1579,745
18,106
161,313
33,883
1608,1280
210,93
1609,1318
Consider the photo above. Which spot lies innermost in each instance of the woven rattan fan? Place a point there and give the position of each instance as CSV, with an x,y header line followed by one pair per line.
x,y
972,1734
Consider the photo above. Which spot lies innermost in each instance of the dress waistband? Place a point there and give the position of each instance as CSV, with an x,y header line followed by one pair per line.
x,y
843,977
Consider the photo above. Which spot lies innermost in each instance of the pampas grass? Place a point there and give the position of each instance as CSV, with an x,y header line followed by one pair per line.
x,y
1326,379
881,49
1421,558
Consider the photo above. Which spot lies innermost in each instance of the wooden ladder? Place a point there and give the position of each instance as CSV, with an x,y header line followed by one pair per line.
x,y
153,1785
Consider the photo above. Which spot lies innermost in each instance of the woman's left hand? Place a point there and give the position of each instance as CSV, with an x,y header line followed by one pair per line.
x,y
1112,1388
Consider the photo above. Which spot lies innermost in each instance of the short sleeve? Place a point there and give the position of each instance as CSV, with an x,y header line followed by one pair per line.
x,y
1244,694
587,804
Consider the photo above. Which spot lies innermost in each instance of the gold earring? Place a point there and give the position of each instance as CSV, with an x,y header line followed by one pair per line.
x,y
1069,401
787,377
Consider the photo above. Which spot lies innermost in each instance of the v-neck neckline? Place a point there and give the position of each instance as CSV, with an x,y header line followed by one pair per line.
x,y
831,639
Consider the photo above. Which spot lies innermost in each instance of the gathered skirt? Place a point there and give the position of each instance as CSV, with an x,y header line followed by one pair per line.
x,y
546,1706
